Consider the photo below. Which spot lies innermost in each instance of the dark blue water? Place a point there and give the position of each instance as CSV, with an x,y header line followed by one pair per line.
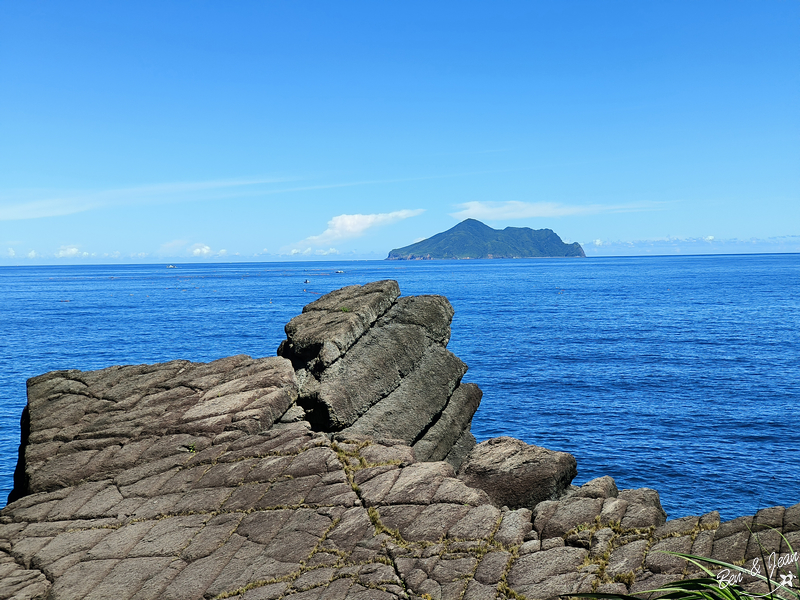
x,y
677,373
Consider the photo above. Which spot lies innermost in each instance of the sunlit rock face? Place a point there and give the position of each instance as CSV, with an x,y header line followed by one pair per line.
x,y
372,363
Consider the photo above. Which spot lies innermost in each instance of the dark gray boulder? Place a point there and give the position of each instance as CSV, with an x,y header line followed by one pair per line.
x,y
329,326
370,363
516,474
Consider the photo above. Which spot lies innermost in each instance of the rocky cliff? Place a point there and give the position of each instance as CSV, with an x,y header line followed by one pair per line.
x,y
341,469
371,363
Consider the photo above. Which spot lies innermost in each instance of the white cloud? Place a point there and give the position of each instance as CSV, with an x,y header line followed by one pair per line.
x,y
709,238
598,242
327,252
222,252
200,250
11,252
32,254
67,252
344,227
502,211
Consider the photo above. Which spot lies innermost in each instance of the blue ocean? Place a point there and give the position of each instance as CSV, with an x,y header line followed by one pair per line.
x,y
679,373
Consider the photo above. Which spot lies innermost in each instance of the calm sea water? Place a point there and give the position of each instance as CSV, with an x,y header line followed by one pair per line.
x,y
676,373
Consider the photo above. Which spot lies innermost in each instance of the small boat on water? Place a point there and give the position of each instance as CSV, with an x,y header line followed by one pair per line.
x,y
171,267
340,271
307,281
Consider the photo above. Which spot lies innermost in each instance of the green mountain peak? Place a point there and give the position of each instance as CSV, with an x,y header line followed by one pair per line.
x,y
473,239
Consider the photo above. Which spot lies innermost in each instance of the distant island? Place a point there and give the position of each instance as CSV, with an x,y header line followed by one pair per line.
x,y
473,239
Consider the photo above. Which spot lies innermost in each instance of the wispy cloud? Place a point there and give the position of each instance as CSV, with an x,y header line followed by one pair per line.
x,y
502,211
344,227
37,204
692,245
173,247
31,205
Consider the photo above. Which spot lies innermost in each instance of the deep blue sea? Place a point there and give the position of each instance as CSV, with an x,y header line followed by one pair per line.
x,y
676,373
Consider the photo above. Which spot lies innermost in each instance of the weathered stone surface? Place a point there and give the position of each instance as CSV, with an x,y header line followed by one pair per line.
x,y
570,513
613,510
480,522
644,509
185,481
19,582
492,567
683,526
514,526
601,487
658,561
416,402
287,513
453,422
371,363
791,519
516,474
461,449
627,559
730,548
418,483
329,326
600,543
539,566
108,413
652,581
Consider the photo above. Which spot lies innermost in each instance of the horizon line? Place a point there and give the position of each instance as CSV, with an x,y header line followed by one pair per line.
x,y
402,261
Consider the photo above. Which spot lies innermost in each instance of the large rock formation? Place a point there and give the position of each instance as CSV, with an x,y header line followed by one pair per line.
x,y
371,363
186,481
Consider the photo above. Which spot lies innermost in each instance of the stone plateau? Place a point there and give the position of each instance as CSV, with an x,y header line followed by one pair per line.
x,y
341,469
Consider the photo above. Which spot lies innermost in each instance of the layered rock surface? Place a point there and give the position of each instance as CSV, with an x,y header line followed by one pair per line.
x,y
86,425
186,481
288,513
371,363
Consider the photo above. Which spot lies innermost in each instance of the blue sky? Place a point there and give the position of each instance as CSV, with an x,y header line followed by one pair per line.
x,y
202,131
